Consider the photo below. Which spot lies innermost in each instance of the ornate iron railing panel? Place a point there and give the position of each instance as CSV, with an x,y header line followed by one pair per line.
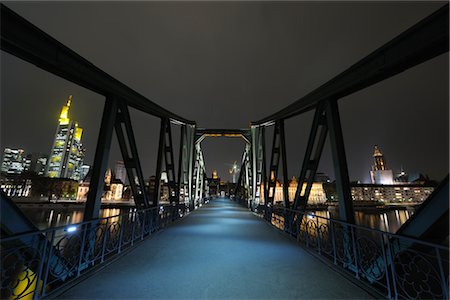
x,y
41,263
395,266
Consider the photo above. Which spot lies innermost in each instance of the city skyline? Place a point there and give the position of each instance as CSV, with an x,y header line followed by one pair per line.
x,y
247,87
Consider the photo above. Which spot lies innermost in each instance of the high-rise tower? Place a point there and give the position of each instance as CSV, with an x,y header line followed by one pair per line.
x,y
67,155
378,159
380,174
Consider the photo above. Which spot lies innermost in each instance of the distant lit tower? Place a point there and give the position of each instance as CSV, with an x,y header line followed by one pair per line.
x,y
234,171
67,155
120,171
380,174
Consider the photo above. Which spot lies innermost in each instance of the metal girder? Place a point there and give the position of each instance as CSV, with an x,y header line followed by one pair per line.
x,y
278,151
131,158
26,41
254,160
202,133
157,188
165,152
170,165
244,175
326,120
421,42
182,164
94,198
191,161
199,171
310,163
346,211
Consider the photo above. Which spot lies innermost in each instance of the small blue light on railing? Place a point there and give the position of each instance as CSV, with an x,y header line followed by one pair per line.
x,y
71,229
310,216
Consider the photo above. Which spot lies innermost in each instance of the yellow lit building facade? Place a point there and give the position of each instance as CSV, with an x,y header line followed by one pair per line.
x,y
113,189
316,196
67,154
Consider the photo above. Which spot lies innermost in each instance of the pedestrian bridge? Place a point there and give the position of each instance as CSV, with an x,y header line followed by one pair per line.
x,y
195,246
221,250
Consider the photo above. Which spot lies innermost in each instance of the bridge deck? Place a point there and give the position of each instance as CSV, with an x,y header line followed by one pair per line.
x,y
219,251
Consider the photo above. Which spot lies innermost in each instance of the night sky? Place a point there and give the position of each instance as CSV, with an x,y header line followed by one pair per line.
x,y
226,64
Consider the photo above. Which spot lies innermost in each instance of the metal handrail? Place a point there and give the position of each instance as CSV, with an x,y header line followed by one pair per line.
x,y
411,239
48,261
392,265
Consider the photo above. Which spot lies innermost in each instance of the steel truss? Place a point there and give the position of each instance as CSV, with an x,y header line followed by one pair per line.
x,y
24,40
423,41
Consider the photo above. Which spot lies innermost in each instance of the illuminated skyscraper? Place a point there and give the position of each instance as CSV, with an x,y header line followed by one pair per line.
x,y
66,157
380,174
13,161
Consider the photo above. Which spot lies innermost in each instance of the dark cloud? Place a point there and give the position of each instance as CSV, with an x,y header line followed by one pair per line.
x,y
226,64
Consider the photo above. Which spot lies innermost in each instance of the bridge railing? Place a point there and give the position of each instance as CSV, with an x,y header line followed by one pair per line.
x,y
391,265
37,264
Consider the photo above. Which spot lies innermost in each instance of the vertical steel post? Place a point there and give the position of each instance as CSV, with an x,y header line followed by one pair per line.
x,y
157,191
191,161
284,165
254,133
93,202
181,164
263,165
346,211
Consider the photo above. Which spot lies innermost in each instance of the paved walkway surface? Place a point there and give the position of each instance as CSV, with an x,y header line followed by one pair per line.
x,y
219,251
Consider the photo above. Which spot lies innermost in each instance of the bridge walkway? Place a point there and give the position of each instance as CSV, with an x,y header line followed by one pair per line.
x,y
219,251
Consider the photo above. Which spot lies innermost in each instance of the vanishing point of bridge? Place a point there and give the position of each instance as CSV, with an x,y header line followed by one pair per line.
x,y
242,247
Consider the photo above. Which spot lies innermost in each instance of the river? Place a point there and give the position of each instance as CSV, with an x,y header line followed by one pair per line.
x,y
45,218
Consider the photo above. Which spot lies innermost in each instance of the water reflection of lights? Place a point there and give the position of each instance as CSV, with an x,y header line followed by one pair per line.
x,y
386,222
50,218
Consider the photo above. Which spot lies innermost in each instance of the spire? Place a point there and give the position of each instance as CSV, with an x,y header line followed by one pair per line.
x,y
377,151
64,116
379,163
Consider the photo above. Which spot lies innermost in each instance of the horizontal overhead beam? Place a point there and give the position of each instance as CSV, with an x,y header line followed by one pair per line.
x,y
423,41
222,132
26,41
201,133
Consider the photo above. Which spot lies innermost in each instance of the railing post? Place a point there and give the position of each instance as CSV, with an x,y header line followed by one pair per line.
x,y
143,223
333,241
37,291
441,273
134,228
47,269
386,267
120,235
83,242
105,237
318,235
355,251
391,262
